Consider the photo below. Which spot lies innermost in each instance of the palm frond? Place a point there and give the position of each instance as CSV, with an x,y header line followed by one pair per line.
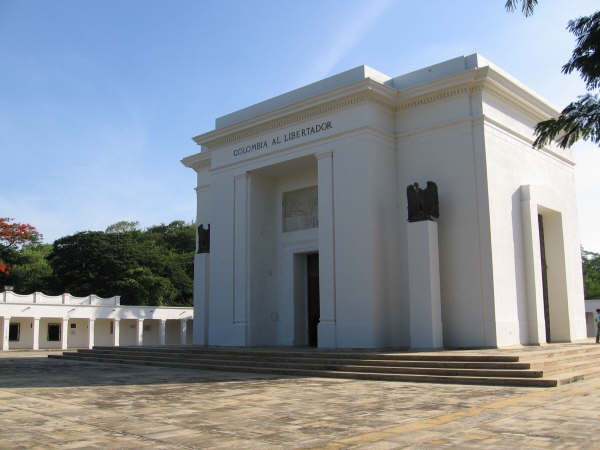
x,y
527,6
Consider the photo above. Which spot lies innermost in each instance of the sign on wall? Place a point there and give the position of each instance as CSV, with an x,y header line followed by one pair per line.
x,y
300,209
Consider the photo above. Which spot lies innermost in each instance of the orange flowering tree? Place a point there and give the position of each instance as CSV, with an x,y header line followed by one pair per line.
x,y
13,236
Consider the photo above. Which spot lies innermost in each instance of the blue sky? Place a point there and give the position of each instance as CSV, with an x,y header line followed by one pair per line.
x,y
99,99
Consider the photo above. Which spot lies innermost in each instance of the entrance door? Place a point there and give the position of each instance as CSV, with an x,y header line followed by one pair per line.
x,y
544,277
314,311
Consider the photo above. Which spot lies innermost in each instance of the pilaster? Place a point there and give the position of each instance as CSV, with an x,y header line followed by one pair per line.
x,y
91,326
116,332
140,332
64,334
240,250
183,331
327,325
5,332
162,327
36,333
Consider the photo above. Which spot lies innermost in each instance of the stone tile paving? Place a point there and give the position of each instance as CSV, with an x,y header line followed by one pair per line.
x,y
48,403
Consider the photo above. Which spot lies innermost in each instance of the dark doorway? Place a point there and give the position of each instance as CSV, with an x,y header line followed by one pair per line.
x,y
544,277
53,332
14,332
314,311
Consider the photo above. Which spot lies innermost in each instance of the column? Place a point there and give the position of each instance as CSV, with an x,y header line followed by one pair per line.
x,y
140,332
5,331
240,250
183,331
116,330
36,333
91,325
326,330
64,334
162,331
424,285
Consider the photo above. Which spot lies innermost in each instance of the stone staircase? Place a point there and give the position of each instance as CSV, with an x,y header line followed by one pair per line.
x,y
545,366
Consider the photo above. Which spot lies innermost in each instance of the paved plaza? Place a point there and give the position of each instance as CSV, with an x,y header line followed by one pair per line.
x,y
48,403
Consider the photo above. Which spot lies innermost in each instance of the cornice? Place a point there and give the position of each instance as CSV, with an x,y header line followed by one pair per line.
x,y
532,106
468,83
507,84
434,97
335,101
475,82
197,160
323,155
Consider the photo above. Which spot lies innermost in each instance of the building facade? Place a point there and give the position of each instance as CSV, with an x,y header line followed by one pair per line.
x,y
38,321
303,237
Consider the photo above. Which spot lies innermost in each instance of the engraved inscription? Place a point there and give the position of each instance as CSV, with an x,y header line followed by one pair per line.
x,y
264,145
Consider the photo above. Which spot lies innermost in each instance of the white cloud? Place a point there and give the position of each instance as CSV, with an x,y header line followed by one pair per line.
x,y
350,31
588,195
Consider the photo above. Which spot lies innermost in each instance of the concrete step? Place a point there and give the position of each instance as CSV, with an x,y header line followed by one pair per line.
x,y
573,366
286,371
552,354
297,354
565,361
330,365
542,367
368,360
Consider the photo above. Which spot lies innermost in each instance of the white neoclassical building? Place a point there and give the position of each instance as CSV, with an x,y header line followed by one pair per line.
x,y
303,231
38,321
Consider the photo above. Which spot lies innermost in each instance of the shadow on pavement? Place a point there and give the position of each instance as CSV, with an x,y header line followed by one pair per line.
x,y
32,372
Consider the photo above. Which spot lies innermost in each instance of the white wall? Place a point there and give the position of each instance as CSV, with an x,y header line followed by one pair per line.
x,y
262,270
449,157
366,241
151,334
128,332
44,342
102,332
225,328
512,163
78,337
26,333
172,332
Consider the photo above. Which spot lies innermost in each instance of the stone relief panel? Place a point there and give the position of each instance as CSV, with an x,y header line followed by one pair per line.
x,y
300,209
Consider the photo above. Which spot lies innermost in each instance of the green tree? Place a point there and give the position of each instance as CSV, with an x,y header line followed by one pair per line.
x,y
30,271
150,267
122,227
13,237
177,235
580,119
591,274
92,262
177,243
141,286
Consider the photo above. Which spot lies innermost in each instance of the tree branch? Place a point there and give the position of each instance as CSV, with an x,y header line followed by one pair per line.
x,y
579,120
